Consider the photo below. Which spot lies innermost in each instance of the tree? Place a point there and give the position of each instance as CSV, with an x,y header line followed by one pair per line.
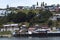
x,y
17,18
3,20
44,15
50,23
30,16
11,16
20,17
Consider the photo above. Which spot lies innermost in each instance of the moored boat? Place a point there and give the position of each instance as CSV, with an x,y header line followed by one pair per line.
x,y
38,33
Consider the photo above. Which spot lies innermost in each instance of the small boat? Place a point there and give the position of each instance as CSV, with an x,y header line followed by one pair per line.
x,y
39,33
53,33
36,33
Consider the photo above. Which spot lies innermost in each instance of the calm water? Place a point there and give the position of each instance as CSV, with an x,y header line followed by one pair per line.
x,y
31,38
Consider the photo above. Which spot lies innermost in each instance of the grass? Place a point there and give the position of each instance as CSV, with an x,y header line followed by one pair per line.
x,y
5,33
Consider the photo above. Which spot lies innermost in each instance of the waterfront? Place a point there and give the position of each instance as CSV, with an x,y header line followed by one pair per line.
x,y
31,38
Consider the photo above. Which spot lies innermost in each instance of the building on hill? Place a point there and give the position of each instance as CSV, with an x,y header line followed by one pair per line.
x,y
51,8
20,7
55,17
33,7
27,7
10,27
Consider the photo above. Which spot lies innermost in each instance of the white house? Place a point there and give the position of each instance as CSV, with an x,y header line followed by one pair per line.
x,y
10,27
55,17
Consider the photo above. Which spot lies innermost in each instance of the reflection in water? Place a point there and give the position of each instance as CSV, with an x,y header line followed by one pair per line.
x,y
31,38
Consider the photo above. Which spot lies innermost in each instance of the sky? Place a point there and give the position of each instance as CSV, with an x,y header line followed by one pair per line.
x,y
15,3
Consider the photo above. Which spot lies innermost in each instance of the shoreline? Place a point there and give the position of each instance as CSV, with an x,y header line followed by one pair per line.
x,y
9,35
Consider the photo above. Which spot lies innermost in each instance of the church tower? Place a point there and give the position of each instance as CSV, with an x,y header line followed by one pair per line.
x,y
37,4
7,6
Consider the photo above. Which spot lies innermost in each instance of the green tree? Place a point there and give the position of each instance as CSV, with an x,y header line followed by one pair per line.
x,y
16,17
20,17
11,16
30,16
44,15
50,22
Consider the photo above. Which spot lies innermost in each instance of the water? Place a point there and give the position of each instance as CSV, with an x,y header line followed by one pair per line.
x,y
31,38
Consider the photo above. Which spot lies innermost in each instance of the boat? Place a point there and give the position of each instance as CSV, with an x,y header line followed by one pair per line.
x,y
39,33
36,33
53,33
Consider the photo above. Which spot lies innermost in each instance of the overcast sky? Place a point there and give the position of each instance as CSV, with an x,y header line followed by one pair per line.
x,y
15,3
